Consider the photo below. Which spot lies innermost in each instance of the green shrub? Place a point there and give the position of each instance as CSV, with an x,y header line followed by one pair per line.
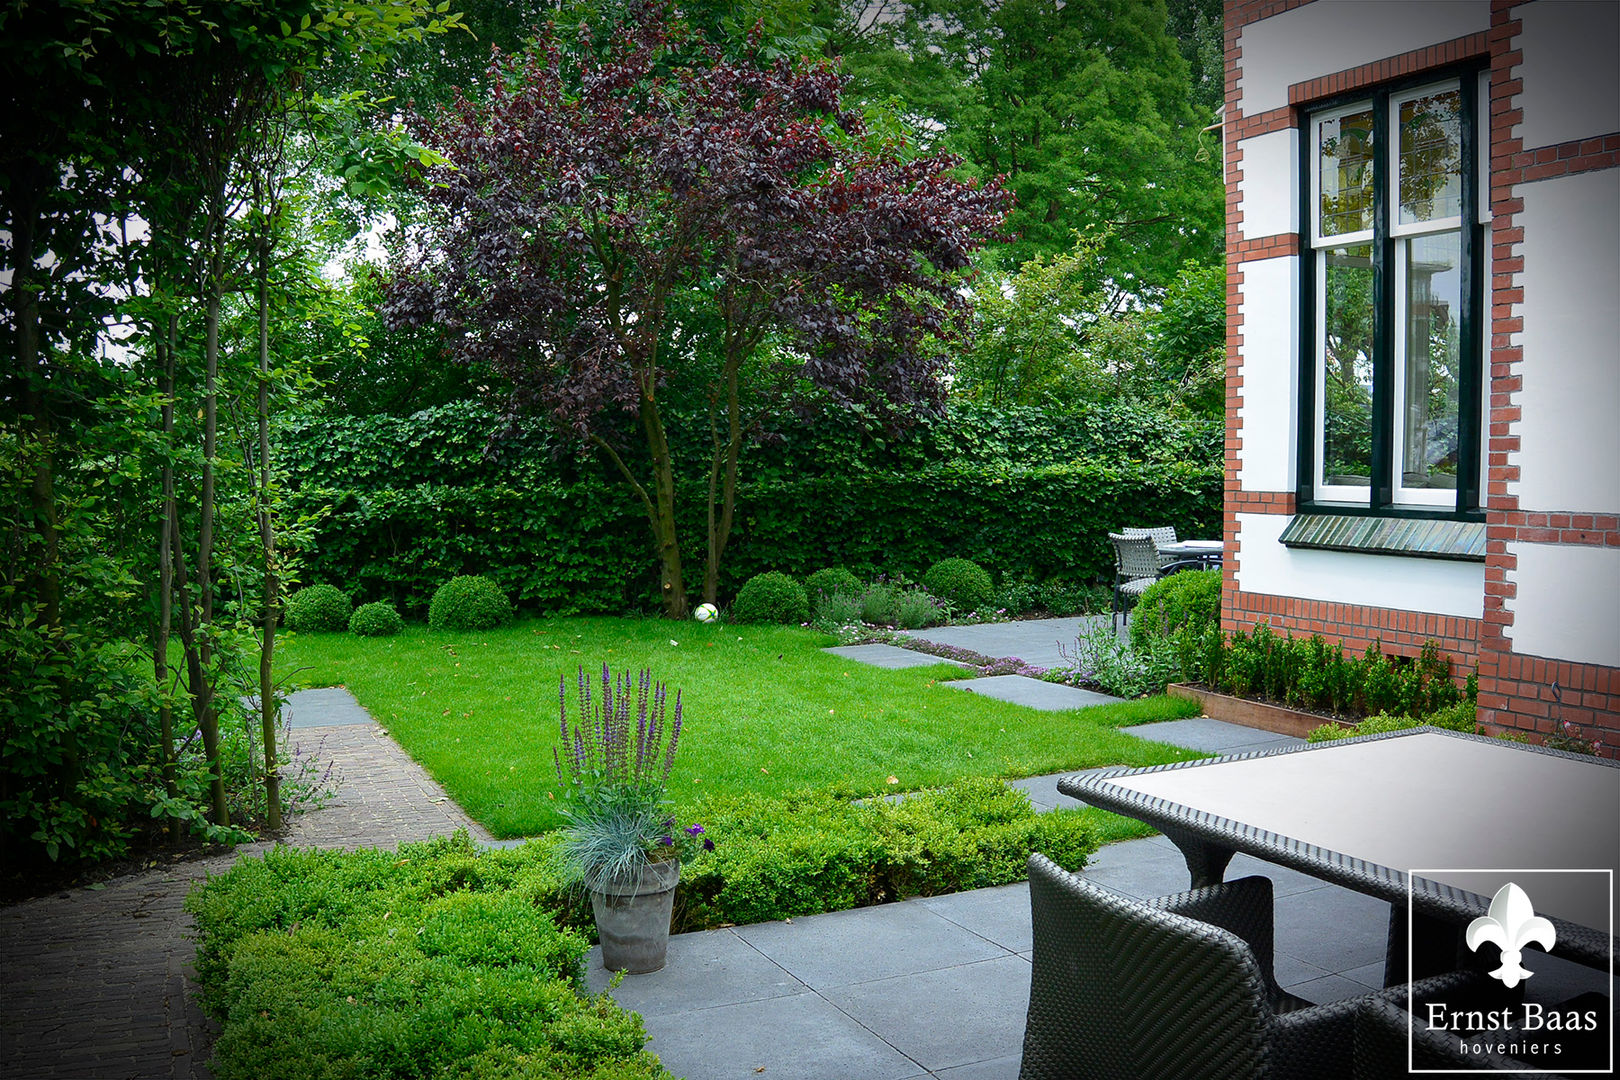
x,y
830,582
378,619
836,611
433,961
1461,715
1190,599
771,597
962,583
318,607
916,609
815,852
880,604
469,603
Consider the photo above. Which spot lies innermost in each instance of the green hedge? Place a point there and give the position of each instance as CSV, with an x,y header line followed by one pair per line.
x,y
429,962
585,547
403,504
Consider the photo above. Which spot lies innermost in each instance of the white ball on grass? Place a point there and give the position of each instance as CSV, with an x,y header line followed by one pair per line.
x,y
706,613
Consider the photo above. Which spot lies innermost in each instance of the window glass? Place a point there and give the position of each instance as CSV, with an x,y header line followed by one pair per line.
x,y
1347,367
1430,165
1345,177
1433,303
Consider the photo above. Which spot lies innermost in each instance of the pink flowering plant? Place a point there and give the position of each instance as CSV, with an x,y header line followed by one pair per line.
x,y
613,763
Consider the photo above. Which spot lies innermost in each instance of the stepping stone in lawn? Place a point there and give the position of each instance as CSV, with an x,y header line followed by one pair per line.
x,y
1037,694
888,656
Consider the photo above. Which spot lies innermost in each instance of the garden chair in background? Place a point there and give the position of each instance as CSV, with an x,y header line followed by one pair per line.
x,y
1136,566
1177,987
1162,536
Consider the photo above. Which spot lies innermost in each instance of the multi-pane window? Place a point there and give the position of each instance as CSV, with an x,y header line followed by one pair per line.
x,y
1393,280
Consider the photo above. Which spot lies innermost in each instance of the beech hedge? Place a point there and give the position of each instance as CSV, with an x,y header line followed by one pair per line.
x,y
398,506
585,547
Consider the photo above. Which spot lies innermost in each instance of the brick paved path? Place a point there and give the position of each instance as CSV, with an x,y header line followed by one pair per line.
x,y
97,982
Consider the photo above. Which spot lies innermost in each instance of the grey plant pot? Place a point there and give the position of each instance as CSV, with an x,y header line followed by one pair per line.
x,y
632,918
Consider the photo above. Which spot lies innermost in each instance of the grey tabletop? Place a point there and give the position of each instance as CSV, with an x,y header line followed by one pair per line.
x,y
1450,817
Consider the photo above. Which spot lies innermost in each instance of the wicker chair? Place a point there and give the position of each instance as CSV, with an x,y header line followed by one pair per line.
x,y
1385,1035
1136,566
1178,988
1162,536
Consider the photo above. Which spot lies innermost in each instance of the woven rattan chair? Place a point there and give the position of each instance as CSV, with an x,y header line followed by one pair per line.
x,y
1178,988
1162,536
1384,1031
1136,566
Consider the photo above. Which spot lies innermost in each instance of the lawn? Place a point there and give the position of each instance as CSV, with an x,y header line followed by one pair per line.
x,y
765,711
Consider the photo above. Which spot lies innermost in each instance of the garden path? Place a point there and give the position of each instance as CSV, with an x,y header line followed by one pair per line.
x,y
97,979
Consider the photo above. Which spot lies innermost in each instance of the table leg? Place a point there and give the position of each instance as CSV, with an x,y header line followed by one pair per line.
x,y
1436,948
1206,862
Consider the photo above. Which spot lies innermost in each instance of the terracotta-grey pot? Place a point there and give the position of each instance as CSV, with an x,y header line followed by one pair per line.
x,y
632,917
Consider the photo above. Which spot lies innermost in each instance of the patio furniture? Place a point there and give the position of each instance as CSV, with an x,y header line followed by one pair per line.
x,y
1386,1038
1190,555
1382,814
1162,536
1136,566
1178,988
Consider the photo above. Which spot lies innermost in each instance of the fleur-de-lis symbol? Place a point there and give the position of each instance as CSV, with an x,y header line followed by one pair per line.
x,y
1511,925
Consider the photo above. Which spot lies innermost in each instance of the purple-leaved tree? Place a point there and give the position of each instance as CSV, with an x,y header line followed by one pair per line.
x,y
621,227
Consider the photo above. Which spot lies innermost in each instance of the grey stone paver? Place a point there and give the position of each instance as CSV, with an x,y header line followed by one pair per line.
x,y
97,981
1036,694
1212,736
843,947
889,656
1034,641
952,1016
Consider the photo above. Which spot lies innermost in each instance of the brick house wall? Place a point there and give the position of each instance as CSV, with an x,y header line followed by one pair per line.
x,y
1537,553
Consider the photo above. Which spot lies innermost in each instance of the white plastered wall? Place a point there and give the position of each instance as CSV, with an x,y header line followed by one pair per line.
x,y
1569,400
1268,415
1570,70
1567,604
1268,190
1332,35
1435,586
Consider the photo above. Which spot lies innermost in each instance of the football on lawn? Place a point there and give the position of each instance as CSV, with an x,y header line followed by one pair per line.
x,y
706,613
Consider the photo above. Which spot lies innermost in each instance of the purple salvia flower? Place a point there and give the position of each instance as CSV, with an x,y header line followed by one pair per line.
x,y
694,830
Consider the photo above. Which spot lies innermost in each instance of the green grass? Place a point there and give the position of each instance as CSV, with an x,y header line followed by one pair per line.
x,y
765,711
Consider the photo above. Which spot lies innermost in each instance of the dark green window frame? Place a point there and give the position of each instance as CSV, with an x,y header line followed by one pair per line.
x,y
1472,317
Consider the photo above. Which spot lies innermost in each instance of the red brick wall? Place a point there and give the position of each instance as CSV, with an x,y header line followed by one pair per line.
x,y
1516,691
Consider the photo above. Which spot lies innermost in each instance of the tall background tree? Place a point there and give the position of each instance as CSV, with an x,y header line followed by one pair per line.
x,y
617,229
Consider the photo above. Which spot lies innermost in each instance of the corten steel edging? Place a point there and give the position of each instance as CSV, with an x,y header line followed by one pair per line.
x,y
1208,841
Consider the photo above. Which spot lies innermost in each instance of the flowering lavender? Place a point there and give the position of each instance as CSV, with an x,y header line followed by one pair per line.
x,y
620,736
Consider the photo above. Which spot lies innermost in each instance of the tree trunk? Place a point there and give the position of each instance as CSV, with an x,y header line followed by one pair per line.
x,y
207,713
724,469
267,540
166,541
32,364
662,510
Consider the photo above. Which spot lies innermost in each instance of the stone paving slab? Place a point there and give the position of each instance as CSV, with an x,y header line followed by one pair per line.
x,y
1034,693
329,706
889,656
1212,736
1034,641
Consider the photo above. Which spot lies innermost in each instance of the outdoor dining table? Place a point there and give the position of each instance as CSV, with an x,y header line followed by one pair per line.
x,y
1436,818
1208,552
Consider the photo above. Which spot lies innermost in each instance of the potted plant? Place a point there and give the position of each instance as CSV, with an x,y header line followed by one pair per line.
x,y
621,841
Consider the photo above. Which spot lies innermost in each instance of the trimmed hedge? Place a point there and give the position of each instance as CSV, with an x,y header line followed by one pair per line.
x,y
377,619
402,504
831,581
1189,601
469,602
585,548
771,597
960,582
430,962
319,607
